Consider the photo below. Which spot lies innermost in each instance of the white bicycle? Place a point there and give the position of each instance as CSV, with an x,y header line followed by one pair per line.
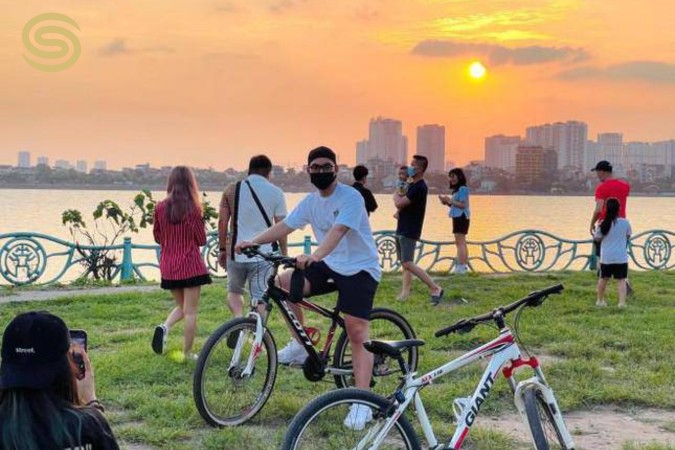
x,y
322,425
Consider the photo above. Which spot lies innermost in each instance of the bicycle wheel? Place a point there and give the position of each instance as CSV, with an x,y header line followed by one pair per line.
x,y
385,325
222,394
321,424
544,429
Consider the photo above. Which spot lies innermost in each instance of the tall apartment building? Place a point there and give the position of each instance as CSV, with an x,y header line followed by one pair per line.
x,y
362,154
100,165
23,159
500,152
386,140
535,164
567,139
43,161
81,166
431,143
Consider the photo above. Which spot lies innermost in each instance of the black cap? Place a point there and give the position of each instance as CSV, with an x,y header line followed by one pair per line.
x,y
34,351
321,152
605,166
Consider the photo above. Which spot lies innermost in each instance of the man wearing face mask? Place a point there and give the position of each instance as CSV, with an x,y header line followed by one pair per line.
x,y
411,208
345,260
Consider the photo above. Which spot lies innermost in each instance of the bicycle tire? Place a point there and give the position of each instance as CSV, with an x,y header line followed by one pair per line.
x,y
543,427
340,359
213,406
342,399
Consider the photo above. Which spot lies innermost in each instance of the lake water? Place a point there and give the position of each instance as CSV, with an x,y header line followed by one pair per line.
x,y
491,216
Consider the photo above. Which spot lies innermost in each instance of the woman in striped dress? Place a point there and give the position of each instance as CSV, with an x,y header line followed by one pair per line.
x,y
180,230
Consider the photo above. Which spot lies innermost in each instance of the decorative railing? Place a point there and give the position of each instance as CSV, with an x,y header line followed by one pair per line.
x,y
34,258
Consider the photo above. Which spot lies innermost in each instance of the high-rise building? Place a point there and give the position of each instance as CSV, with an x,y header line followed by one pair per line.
x,y
81,166
100,165
567,139
609,148
24,159
535,165
431,143
362,155
500,152
386,140
43,161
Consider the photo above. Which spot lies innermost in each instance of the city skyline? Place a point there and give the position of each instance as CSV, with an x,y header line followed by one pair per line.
x,y
212,83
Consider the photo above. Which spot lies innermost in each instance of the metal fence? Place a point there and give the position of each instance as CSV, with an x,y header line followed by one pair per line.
x,y
34,258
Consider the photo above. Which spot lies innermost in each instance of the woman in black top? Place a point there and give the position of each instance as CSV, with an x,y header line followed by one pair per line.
x,y
46,402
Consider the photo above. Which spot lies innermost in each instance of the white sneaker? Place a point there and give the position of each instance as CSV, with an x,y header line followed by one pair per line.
x,y
293,353
358,416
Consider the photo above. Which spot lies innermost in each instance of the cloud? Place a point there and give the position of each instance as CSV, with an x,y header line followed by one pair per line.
x,y
649,71
499,54
227,7
120,47
116,47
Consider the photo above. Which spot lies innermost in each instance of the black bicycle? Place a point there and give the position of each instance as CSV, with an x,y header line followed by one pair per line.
x,y
237,367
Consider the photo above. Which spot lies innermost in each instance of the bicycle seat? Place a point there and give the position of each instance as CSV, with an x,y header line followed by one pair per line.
x,y
392,348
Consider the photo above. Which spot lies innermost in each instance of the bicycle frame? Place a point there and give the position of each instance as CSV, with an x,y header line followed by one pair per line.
x,y
503,350
280,297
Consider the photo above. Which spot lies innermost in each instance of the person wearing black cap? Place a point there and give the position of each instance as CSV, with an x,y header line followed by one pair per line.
x,y
43,404
345,260
609,187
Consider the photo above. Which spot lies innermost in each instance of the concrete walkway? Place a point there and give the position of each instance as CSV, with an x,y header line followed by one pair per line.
x,y
38,295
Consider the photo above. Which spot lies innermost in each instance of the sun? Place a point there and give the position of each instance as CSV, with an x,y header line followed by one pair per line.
x,y
477,70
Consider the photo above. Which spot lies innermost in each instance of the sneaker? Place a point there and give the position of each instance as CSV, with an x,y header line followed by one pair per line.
x,y
293,353
159,339
358,416
600,303
191,356
232,339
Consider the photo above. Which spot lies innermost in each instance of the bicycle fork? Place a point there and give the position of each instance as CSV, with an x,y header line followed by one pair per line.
x,y
256,348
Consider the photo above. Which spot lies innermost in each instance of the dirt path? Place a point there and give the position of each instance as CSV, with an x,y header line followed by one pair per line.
x,y
24,296
601,428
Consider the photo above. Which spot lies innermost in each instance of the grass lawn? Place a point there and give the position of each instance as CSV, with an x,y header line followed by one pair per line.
x,y
591,356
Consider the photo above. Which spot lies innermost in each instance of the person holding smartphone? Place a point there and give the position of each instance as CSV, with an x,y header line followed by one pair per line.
x,y
46,401
459,213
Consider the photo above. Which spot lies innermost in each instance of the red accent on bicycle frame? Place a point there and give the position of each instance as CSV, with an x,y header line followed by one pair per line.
x,y
461,438
505,340
314,335
532,362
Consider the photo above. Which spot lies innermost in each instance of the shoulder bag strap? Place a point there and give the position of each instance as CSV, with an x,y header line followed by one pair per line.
x,y
275,245
235,217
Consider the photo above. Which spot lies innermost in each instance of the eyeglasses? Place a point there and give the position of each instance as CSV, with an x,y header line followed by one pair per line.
x,y
325,168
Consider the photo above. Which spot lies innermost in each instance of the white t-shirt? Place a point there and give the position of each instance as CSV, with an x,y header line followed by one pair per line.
x,y
250,221
345,206
613,246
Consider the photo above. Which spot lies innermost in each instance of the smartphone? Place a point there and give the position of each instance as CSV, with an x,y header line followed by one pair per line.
x,y
79,337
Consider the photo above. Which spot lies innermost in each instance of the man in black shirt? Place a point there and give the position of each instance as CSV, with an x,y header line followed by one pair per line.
x,y
360,175
411,207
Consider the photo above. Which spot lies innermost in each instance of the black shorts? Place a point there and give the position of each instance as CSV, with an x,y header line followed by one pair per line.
x,y
199,280
616,271
460,225
355,292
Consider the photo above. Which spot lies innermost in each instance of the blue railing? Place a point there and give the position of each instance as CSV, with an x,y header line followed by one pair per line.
x,y
34,258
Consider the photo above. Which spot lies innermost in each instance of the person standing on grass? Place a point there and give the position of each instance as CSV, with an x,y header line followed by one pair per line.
x,y
179,229
345,261
360,179
609,187
612,235
247,208
459,212
411,209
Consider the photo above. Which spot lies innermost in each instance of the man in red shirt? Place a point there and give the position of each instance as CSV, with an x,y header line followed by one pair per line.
x,y
609,187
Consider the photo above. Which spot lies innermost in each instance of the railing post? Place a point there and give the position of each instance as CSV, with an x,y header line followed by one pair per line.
x,y
593,261
127,265
307,248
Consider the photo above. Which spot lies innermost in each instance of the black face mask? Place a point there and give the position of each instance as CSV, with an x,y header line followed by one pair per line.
x,y
322,180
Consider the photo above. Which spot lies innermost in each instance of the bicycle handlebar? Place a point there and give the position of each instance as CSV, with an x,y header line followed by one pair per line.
x,y
534,299
280,260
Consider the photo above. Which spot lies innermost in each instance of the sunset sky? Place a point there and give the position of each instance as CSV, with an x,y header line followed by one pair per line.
x,y
212,82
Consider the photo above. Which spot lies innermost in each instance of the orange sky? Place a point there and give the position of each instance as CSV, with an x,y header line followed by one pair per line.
x,y
212,82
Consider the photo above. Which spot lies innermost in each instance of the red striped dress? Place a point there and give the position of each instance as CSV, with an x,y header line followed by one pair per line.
x,y
180,262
